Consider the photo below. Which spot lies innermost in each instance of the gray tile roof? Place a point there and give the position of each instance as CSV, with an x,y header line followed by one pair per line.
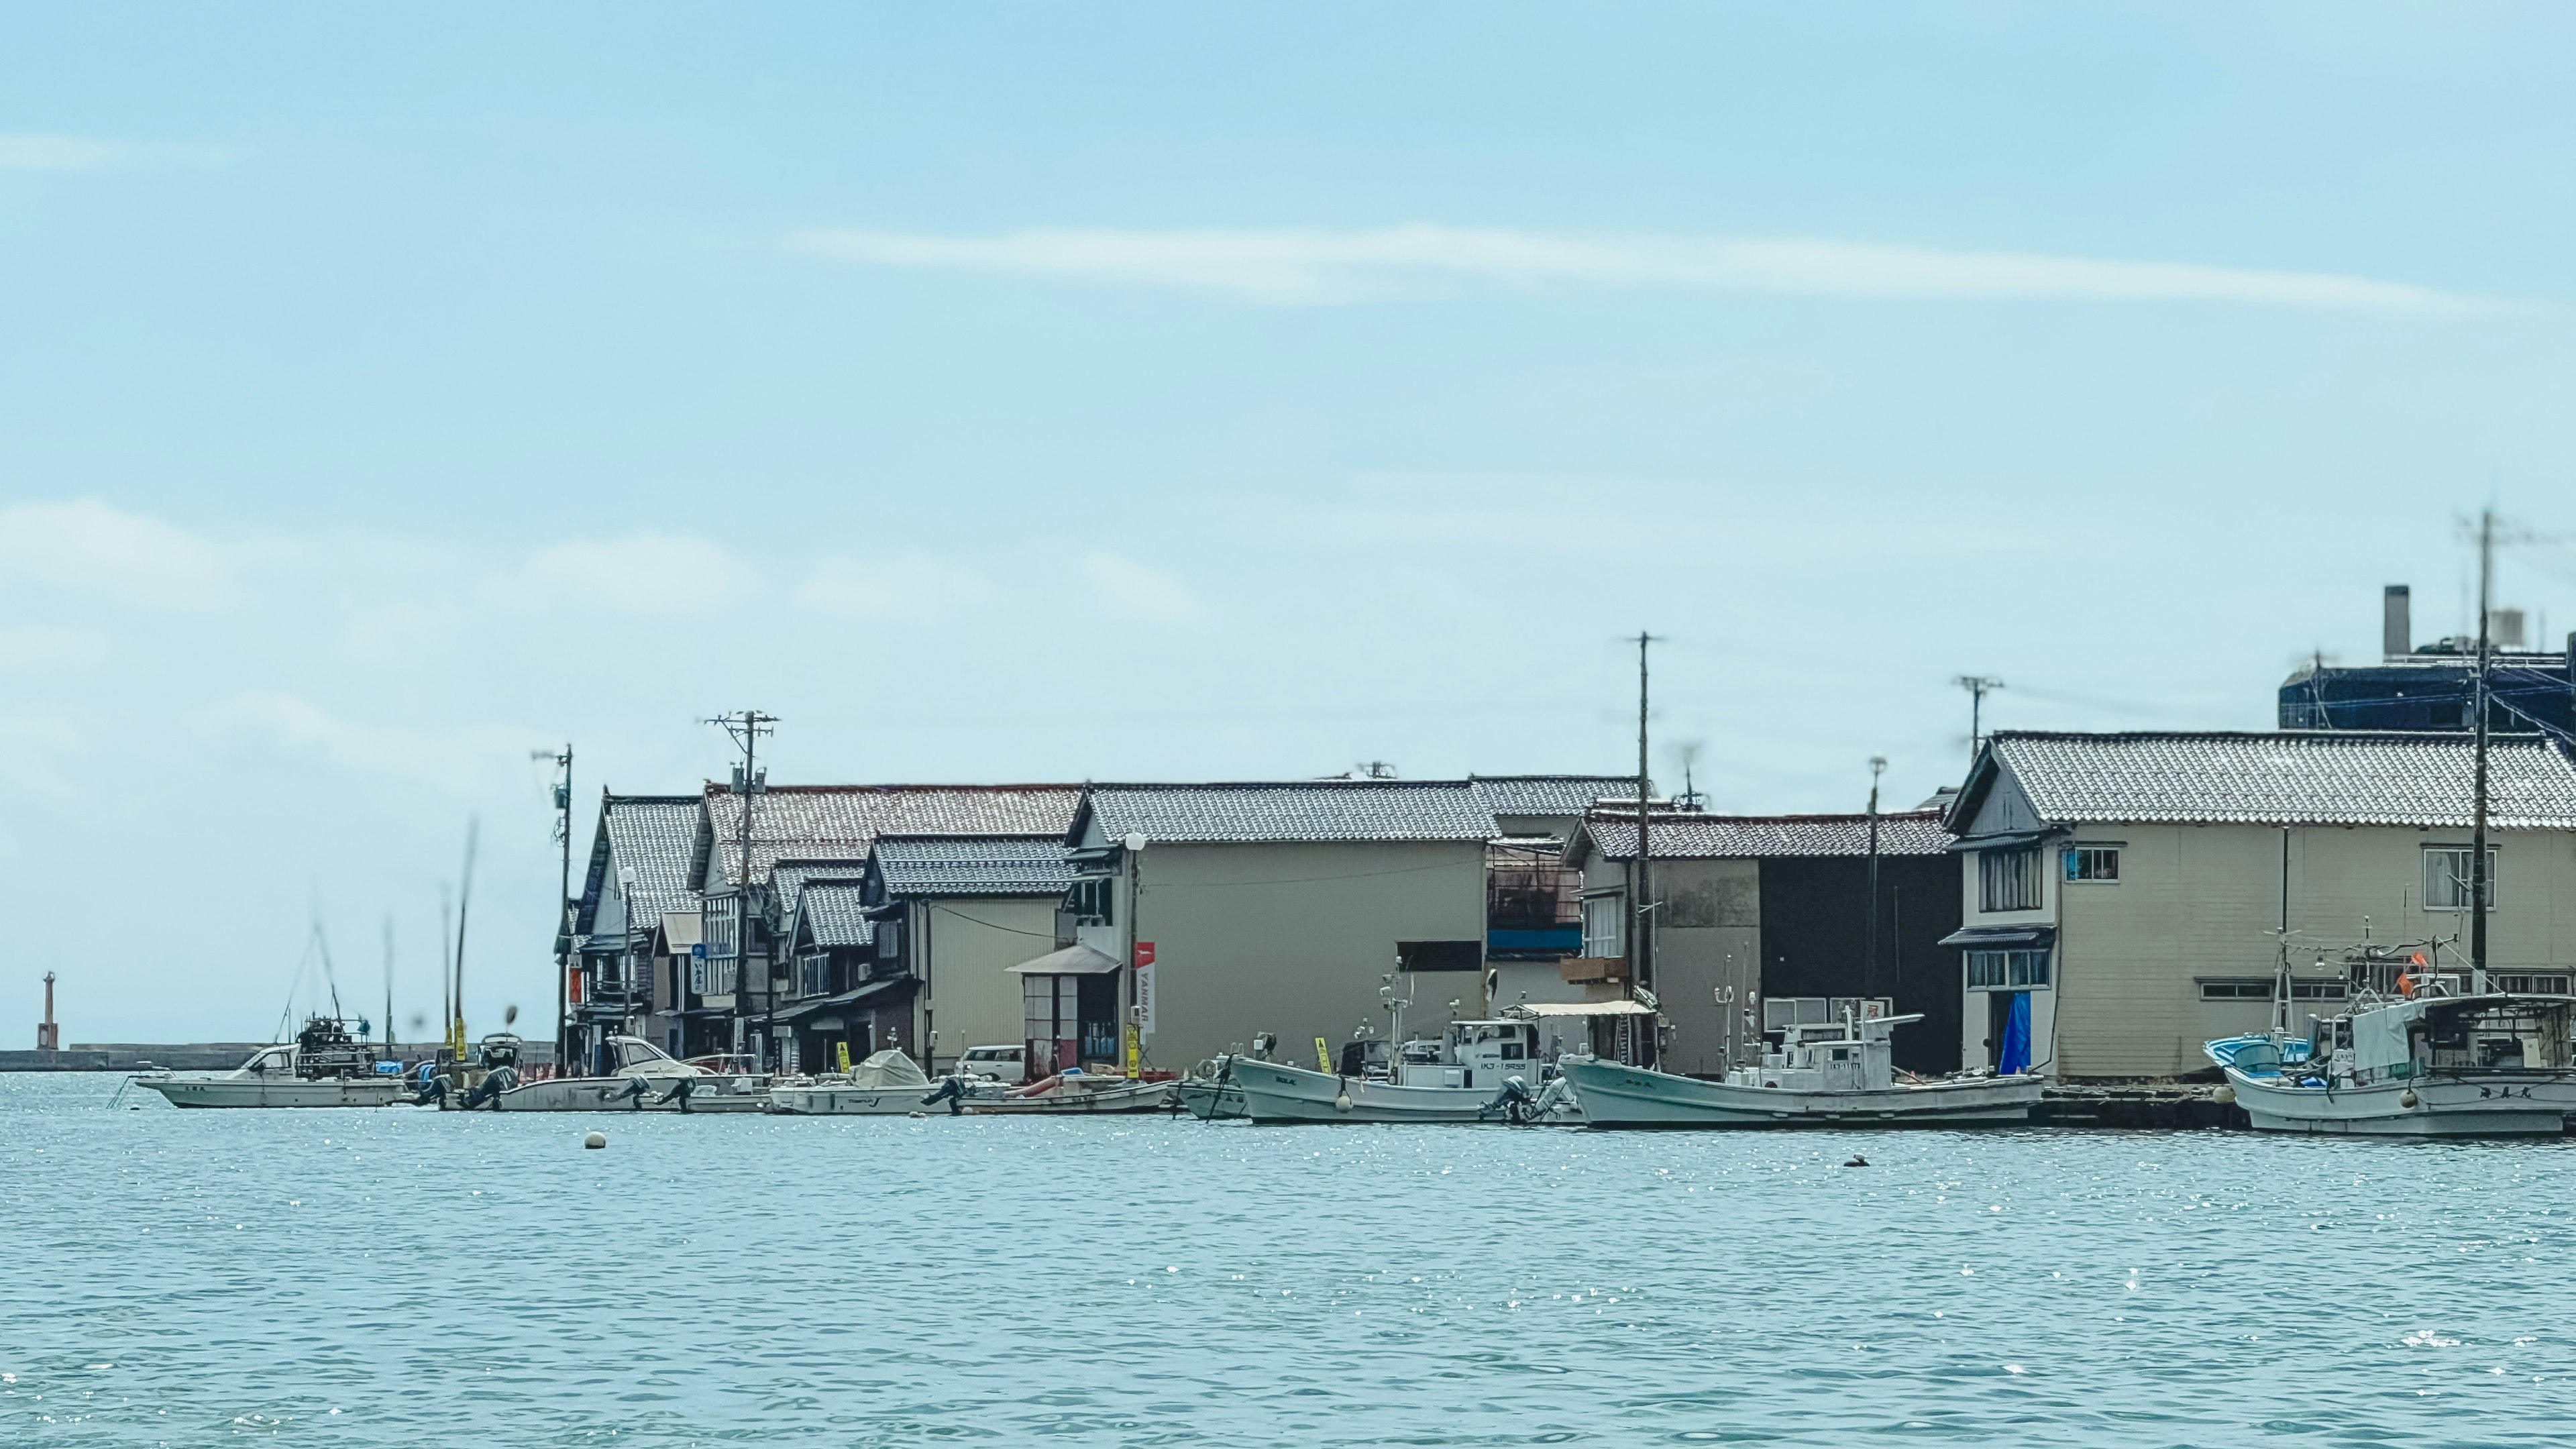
x,y
657,835
1756,837
2288,778
835,914
1294,810
992,865
842,822
788,878
1552,794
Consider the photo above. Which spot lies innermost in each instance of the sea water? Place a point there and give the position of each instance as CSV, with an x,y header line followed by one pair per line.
x,y
417,1278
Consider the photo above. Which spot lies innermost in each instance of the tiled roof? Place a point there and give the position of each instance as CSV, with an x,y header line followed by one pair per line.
x,y
1755,837
1298,810
836,914
1552,794
842,822
788,878
2289,778
656,835
993,865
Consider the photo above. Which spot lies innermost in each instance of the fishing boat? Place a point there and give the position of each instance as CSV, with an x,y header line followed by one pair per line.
x,y
323,1067
1477,1071
2438,1058
1822,1074
646,1079
1078,1092
887,1083
1209,1091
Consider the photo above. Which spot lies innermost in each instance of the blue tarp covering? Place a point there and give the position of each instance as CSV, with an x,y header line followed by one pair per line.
x,y
2016,1052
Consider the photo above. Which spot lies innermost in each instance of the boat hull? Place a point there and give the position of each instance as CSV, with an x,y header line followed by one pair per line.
x,y
2470,1105
619,1094
188,1091
1209,1101
1135,1097
840,1099
1622,1096
1276,1092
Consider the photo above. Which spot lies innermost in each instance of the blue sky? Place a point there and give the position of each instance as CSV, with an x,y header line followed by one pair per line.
x,y
1048,393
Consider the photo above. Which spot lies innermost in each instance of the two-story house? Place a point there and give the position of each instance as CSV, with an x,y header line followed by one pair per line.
x,y
2127,897
637,908
952,914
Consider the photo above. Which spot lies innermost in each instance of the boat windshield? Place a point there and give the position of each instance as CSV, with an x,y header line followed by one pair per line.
x,y
633,1053
275,1059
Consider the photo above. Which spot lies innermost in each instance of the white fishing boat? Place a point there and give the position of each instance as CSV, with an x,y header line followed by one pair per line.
x,y
887,1084
2438,1060
1478,1071
1209,1091
1821,1075
322,1067
647,1079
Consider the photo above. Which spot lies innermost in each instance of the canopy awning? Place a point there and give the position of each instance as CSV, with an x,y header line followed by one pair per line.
x,y
1075,960
1585,1008
1999,938
869,992
683,928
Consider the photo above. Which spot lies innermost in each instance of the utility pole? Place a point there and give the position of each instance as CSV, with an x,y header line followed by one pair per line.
x,y
1869,947
562,762
1641,947
464,903
746,727
1978,687
389,985
2478,886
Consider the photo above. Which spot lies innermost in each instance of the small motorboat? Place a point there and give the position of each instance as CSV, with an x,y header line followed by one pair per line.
x,y
1823,1074
1209,1091
1074,1090
323,1067
647,1079
887,1084
2438,1060
1478,1071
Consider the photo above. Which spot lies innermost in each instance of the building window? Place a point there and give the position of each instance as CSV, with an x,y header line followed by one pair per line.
x,y
1090,900
889,940
1440,955
2008,880
2250,988
2529,985
1601,925
721,919
814,974
2093,862
2318,991
2446,878
2007,970
728,974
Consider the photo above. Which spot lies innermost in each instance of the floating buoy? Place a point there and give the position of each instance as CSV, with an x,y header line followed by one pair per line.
x,y
1857,1161
1342,1103
596,1139
2224,1096
2408,1098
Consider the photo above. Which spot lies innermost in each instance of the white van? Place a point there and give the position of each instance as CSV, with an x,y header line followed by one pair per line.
x,y
1005,1064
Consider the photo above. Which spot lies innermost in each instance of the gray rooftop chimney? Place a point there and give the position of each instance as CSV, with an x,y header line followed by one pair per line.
x,y
2396,622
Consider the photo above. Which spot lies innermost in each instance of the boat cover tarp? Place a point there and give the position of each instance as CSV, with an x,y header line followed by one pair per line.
x,y
1587,1008
888,1068
2379,1041
2016,1051
1999,938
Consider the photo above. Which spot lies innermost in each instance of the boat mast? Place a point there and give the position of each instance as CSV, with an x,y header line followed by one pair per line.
x,y
2478,885
1641,948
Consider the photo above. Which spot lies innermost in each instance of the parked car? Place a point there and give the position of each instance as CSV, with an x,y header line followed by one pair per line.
x,y
1005,1064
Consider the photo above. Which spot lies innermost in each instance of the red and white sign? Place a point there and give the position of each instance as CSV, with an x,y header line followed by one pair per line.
x,y
1144,954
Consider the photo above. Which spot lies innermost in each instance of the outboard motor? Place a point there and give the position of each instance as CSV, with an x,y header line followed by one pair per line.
x,y
489,1092
1513,1101
433,1089
951,1090
679,1093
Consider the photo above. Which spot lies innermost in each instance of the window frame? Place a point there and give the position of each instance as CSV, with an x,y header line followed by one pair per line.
x,y
2010,880
2011,968
2455,880
2078,857
1604,911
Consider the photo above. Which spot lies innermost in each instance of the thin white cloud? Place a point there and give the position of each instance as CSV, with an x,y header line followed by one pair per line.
x,y
646,573
1137,592
903,586
88,547
1344,266
459,762
32,647
37,151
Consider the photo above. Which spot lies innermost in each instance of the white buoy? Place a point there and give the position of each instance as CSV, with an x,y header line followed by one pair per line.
x,y
596,1139
2224,1096
1342,1103
2407,1098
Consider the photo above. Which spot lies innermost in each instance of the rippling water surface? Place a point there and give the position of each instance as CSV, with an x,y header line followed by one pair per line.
x,y
412,1278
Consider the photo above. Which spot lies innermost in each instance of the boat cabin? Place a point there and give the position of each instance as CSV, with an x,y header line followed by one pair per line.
x,y
1846,1056
1476,1054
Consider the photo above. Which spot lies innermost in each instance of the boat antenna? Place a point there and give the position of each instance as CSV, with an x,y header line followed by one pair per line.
x,y
446,953
2478,887
389,983
464,901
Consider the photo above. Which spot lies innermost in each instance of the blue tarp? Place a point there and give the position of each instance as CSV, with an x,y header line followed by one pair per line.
x,y
2016,1051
